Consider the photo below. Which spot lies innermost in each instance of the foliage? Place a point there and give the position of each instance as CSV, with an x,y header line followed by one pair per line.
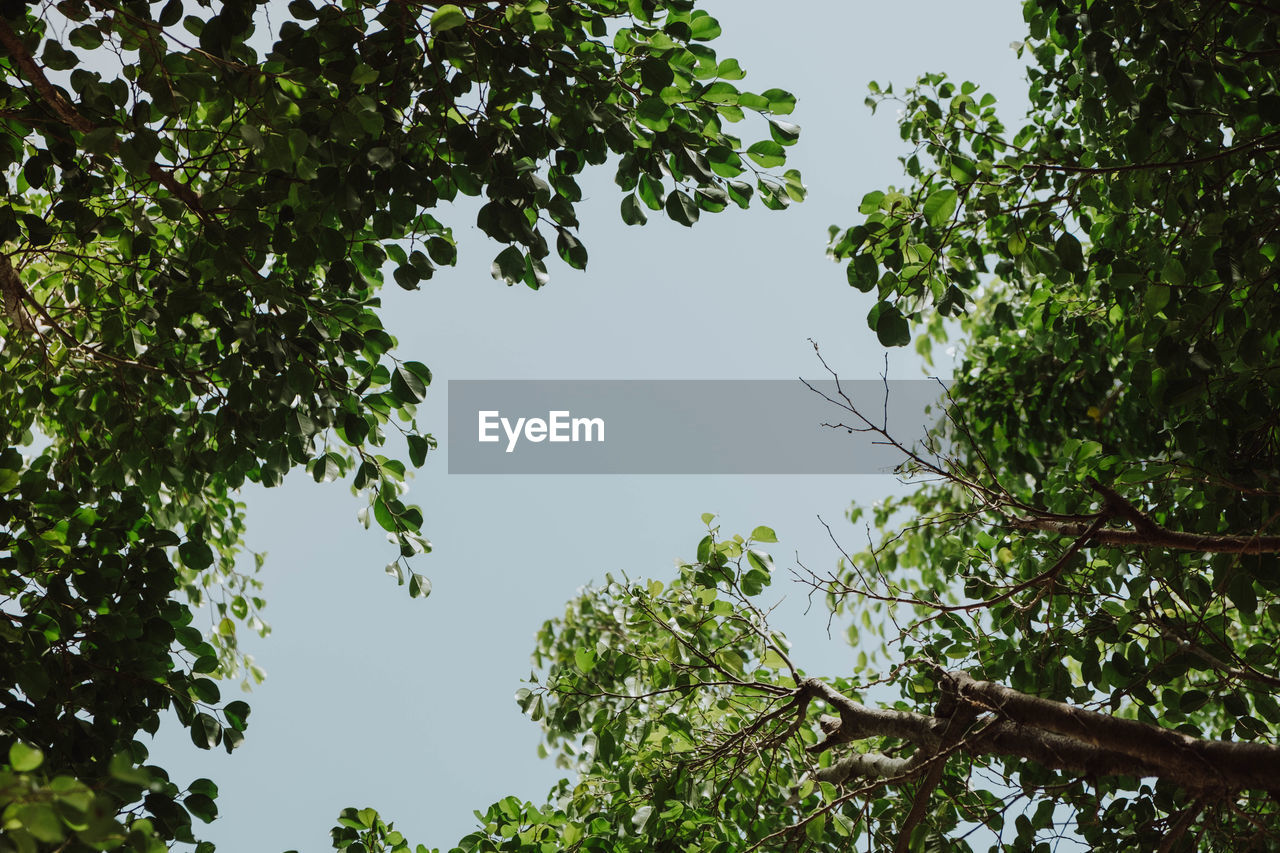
x,y
1068,633
198,213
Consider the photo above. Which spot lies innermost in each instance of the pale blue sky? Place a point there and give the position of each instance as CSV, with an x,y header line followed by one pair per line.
x,y
373,699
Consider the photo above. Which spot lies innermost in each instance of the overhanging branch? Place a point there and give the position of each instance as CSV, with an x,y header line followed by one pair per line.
x,y
1159,537
1053,734
1229,765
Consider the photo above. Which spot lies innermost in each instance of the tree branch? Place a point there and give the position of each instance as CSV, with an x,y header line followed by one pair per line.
x,y
60,106
1053,734
871,765
70,116
1205,764
1121,508
1158,537
858,721
1179,829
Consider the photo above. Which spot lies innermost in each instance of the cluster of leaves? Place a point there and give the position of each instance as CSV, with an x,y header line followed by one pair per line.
x,y
364,831
198,215
643,690
39,811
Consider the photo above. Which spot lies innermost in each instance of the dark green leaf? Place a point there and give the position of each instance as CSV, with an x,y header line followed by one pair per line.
x,y
632,213
237,714
681,208
196,554
206,731
407,386
892,328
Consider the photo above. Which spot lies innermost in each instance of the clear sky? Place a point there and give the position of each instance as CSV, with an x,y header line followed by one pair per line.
x,y
373,699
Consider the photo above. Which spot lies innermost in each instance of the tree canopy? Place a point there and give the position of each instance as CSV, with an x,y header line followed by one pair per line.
x,y
1068,632
200,204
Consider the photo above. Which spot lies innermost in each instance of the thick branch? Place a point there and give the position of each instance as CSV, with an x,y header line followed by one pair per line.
x,y
1121,508
34,73
1053,734
1158,537
1179,829
1229,765
957,726
871,765
858,721
12,291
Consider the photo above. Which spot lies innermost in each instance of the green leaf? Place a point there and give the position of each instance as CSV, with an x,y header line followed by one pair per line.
x,y
326,469
681,208
56,58
892,329
196,554
862,272
632,213
654,113
784,132
237,713
1069,253
650,192
39,820
419,586
447,17
772,660
570,249
381,157
509,265
201,806
122,768
763,534
729,69
442,251
724,161
780,102
407,386
703,26
203,688
1173,273
767,154
170,14
24,758
940,206
963,170
419,446
206,731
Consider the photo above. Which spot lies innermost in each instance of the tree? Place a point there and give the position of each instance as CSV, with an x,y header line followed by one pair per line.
x,y
198,216
1068,632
